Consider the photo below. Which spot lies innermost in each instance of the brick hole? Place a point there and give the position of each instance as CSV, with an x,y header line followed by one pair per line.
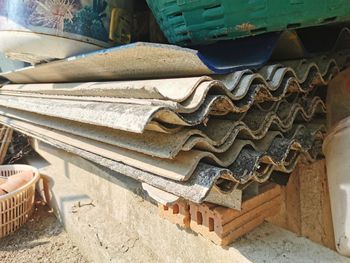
x,y
165,208
211,224
176,209
199,218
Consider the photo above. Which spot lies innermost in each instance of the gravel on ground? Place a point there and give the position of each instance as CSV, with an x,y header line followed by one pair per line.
x,y
41,239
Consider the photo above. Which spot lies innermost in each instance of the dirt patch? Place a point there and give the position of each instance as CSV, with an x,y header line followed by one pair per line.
x,y
42,239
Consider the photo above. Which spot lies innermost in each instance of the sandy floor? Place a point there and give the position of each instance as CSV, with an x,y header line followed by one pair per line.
x,y
42,239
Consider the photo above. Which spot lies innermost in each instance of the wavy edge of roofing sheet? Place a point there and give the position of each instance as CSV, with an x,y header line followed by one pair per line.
x,y
282,155
128,117
196,189
219,105
217,136
180,168
179,93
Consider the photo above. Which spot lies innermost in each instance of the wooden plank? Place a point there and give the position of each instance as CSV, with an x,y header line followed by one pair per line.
x,y
3,130
292,198
306,209
328,239
280,219
289,216
316,216
5,144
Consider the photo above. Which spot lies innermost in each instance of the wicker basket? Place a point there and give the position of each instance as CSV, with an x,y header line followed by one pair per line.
x,y
17,206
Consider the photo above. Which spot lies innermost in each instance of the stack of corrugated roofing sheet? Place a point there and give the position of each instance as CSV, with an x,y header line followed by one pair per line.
x,y
183,136
205,138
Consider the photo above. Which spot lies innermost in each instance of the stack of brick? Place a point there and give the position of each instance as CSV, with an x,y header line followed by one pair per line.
x,y
223,225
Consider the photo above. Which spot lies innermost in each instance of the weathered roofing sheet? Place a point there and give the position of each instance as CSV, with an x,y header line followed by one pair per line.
x,y
196,189
147,60
273,80
184,163
197,138
216,136
201,98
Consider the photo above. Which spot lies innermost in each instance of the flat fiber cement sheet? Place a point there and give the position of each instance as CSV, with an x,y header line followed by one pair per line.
x,y
133,61
150,60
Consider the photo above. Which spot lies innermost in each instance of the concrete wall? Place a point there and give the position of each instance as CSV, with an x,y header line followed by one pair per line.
x,y
112,220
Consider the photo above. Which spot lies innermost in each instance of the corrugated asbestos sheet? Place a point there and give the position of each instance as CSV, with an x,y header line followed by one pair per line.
x,y
206,138
205,158
149,60
166,105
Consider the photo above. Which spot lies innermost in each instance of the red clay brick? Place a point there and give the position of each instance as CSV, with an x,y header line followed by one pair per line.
x,y
220,224
178,213
267,192
248,227
223,225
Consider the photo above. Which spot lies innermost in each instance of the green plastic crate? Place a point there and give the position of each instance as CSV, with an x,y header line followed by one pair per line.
x,y
189,22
